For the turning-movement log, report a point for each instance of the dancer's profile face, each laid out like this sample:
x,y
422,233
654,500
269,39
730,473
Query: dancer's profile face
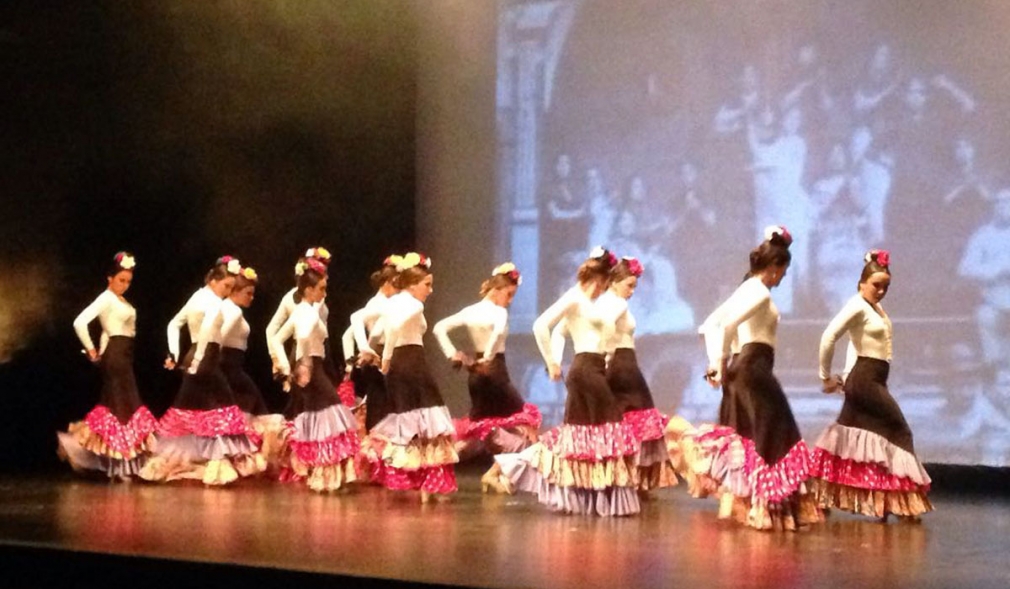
x,y
874,288
503,296
120,283
625,288
244,297
776,274
316,294
423,289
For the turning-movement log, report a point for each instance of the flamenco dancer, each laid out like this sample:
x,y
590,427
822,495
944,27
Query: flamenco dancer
x,y
364,366
234,342
114,437
287,304
204,435
626,381
865,462
321,438
759,460
499,420
589,463
412,446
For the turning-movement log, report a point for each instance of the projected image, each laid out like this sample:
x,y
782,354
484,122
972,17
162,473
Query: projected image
x,y
676,131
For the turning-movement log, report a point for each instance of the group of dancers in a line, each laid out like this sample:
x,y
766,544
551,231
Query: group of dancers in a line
x,y
381,419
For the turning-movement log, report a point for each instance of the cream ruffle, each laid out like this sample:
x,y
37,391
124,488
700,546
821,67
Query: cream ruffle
x,y
869,502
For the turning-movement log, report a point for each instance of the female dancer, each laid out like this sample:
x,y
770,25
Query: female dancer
x,y
234,342
287,304
761,460
412,446
204,435
114,436
322,438
498,415
865,462
627,383
365,374
587,464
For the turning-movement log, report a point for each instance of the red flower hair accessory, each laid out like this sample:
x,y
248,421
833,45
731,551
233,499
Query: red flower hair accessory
x,y
634,266
881,257
316,265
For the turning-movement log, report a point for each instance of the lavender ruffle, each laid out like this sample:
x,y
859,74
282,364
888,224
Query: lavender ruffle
x,y
317,426
112,467
194,448
426,423
612,501
859,445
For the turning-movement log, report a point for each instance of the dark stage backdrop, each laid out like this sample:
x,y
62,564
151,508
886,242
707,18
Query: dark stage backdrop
x,y
181,131
675,131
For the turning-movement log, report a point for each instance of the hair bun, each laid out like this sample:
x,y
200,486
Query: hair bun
x,y
604,255
778,235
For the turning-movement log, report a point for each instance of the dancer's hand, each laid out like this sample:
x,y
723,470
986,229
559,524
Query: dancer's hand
x,y
368,359
482,367
832,384
714,377
385,367
554,372
302,375
93,356
169,363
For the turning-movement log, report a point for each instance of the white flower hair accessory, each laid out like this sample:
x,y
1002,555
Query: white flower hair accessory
x,y
234,266
508,269
411,260
597,252
778,235
300,268
125,261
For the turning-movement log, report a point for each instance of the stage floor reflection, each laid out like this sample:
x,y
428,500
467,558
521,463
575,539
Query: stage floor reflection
x,y
501,541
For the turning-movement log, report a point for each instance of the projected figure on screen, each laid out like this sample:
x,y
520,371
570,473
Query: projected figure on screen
x,y
779,195
566,210
653,224
733,116
602,208
879,82
696,222
987,261
871,181
841,230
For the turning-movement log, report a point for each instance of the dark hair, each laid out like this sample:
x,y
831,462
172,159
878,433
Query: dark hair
x,y
218,272
383,275
769,253
875,265
117,264
593,269
242,281
497,281
410,276
308,279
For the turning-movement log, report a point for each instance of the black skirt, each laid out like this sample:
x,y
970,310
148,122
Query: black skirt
x,y
370,383
409,384
207,389
729,408
247,394
590,401
762,410
318,394
627,383
119,385
491,391
869,405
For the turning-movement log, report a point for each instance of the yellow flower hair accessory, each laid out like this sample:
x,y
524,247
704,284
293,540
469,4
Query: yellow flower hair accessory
x,y
249,274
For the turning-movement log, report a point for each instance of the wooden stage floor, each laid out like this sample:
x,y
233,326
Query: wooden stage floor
x,y
480,540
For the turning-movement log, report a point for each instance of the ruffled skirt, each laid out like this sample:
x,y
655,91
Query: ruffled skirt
x,y
498,417
205,436
116,435
760,466
865,462
321,441
589,464
412,446
634,398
